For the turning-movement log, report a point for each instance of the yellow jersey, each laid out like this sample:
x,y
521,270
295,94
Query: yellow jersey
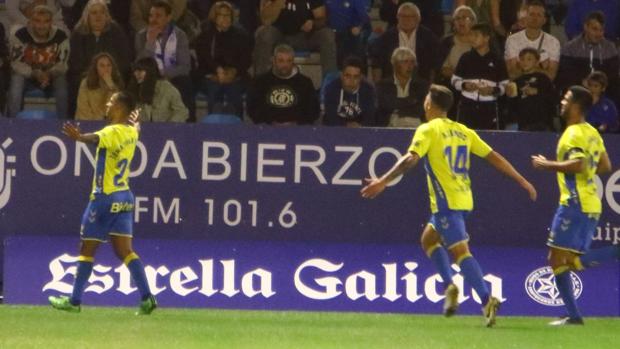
x,y
115,151
446,146
580,141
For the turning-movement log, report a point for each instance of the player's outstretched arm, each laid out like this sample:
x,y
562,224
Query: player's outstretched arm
x,y
503,166
572,166
604,164
134,118
376,186
73,131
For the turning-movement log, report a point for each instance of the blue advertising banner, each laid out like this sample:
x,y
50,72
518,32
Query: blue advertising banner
x,y
299,276
276,184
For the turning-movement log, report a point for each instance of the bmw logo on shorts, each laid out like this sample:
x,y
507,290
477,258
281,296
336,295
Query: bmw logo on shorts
x,y
540,286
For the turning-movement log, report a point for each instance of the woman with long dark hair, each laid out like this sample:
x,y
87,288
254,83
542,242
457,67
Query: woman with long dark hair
x,y
157,98
102,80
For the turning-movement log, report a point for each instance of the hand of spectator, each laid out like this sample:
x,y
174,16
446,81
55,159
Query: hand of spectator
x,y
447,71
353,124
486,90
356,31
603,128
470,86
226,75
152,33
43,78
107,78
529,90
307,27
511,90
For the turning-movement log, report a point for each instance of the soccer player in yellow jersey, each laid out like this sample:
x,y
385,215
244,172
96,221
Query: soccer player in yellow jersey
x,y
445,146
110,210
581,155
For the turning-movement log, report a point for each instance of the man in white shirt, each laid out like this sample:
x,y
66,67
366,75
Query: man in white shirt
x,y
532,36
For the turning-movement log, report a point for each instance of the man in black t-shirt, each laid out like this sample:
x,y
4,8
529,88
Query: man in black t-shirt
x,y
299,23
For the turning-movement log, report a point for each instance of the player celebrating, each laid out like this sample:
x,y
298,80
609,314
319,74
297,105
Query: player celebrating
x,y
447,146
581,155
110,210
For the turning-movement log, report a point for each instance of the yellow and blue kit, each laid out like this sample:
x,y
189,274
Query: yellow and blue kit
x,y
445,146
577,216
110,210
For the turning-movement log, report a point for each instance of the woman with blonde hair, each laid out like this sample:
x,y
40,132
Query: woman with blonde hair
x,y
102,80
94,33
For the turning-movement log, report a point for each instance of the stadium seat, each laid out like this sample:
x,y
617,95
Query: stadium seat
x,y
36,114
222,119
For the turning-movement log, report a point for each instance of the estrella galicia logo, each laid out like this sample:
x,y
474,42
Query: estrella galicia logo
x,y
540,286
6,173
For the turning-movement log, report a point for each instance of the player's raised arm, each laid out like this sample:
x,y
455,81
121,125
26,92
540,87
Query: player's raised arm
x,y
571,166
375,186
73,131
505,167
134,118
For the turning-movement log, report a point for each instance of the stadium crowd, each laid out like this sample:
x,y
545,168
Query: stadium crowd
x,y
498,57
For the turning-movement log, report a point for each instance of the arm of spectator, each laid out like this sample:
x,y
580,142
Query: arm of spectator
x,y
320,17
17,58
138,15
311,106
270,10
495,18
512,66
142,47
369,107
60,68
255,103
331,105
384,109
183,65
551,69
83,110
179,112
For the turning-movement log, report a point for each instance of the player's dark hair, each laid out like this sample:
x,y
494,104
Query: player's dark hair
x,y
128,102
530,51
483,29
598,16
582,97
163,4
353,61
441,97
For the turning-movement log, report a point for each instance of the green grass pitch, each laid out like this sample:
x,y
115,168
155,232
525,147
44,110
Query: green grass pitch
x,y
95,327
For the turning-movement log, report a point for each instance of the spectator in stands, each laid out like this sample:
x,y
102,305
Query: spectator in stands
x,y
119,11
168,44
430,11
603,114
39,54
400,97
350,101
407,33
588,52
453,46
5,69
94,33
19,12
140,12
533,99
157,98
102,80
283,96
481,77
487,12
301,24
533,36
245,10
223,59
351,24
578,11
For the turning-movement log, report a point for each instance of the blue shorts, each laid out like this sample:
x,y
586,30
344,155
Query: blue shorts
x,y
572,230
108,215
450,225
